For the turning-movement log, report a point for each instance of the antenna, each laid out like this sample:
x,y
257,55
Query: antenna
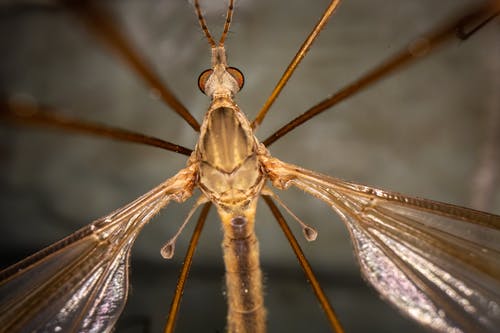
x,y
203,23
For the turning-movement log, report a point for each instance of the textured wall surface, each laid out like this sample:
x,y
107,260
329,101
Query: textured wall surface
x,y
423,131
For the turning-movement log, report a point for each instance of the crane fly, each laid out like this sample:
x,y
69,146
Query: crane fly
x,y
437,263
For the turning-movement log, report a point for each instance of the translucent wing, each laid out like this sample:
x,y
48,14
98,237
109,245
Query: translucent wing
x,y
80,283
438,263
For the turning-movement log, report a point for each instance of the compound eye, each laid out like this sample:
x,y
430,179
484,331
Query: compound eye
x,y
237,75
202,79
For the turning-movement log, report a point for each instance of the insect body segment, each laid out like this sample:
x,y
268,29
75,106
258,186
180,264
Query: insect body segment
x,y
246,312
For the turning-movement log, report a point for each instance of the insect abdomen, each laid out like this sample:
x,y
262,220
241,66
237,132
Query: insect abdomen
x,y
243,278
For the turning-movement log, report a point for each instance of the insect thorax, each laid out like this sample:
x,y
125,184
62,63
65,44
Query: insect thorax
x,y
229,168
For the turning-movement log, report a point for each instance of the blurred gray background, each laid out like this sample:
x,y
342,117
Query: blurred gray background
x,y
430,131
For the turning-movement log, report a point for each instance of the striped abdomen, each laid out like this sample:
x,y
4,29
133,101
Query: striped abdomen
x,y
246,312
